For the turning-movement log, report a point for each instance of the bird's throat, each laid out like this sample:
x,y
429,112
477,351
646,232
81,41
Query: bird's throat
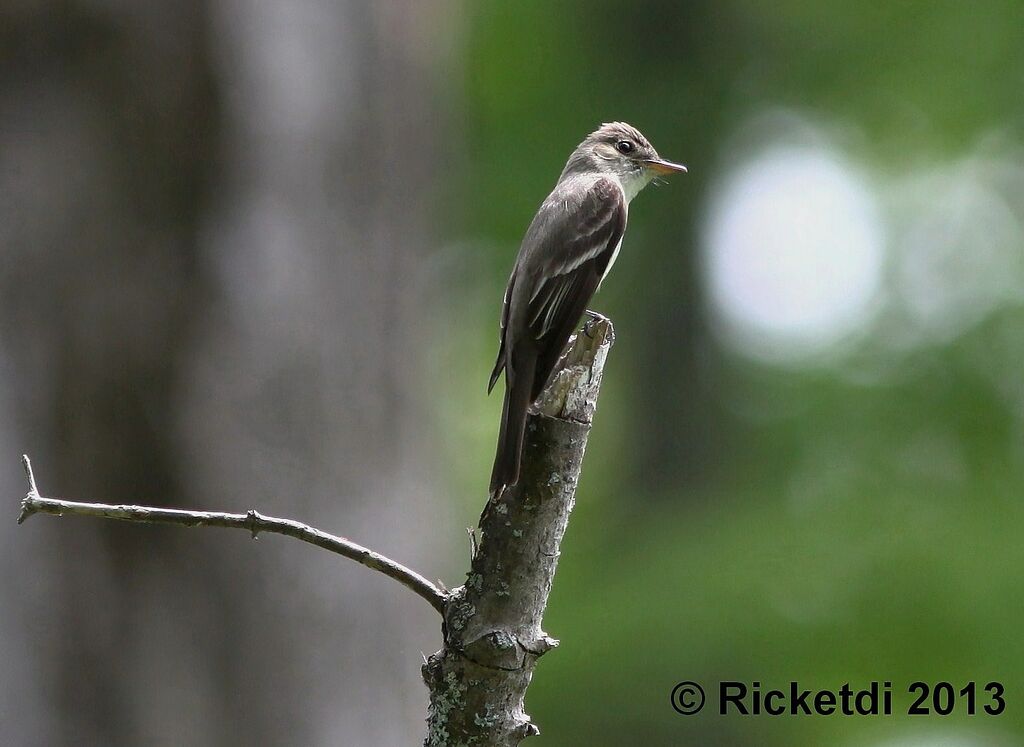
x,y
633,183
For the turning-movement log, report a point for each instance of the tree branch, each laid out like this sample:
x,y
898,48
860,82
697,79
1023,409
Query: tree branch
x,y
252,521
492,624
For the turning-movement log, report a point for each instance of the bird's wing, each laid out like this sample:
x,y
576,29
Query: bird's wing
x,y
576,242
569,243
499,364
565,254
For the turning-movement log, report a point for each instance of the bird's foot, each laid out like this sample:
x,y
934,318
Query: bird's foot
x,y
595,318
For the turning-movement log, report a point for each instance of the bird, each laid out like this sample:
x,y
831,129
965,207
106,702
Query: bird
x,y
568,250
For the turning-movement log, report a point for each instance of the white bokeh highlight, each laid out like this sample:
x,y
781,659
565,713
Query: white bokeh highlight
x,y
793,253
959,257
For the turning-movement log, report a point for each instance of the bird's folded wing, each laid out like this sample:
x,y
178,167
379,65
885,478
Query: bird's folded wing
x,y
576,241
579,240
569,245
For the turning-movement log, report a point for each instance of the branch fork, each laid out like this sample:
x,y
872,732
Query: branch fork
x,y
491,624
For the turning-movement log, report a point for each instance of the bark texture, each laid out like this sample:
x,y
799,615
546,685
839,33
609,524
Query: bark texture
x,y
492,624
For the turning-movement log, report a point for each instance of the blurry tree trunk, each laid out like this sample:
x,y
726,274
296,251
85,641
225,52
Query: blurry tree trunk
x,y
108,133
212,240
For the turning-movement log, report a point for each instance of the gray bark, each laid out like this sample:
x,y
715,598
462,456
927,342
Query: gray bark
x,y
492,624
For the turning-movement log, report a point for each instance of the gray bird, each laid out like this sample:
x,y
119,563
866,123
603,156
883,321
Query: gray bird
x,y
568,250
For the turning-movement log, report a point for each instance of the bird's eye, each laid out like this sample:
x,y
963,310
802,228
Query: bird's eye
x,y
624,146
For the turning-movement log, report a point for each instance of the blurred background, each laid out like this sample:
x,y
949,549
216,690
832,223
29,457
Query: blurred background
x,y
252,255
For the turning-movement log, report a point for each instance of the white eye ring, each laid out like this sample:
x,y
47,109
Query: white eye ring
x,y
624,146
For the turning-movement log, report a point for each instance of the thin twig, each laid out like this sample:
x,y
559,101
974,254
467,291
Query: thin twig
x,y
252,521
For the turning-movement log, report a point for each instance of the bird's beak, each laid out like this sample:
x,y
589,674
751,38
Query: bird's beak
x,y
662,166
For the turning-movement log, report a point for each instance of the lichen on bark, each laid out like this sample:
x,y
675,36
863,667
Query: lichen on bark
x,y
492,624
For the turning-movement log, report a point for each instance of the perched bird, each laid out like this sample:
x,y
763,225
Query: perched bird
x,y
568,250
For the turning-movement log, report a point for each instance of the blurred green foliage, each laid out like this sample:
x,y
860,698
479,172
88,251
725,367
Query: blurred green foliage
x,y
850,521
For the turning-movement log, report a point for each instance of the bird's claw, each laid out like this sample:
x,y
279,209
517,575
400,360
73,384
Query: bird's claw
x,y
595,318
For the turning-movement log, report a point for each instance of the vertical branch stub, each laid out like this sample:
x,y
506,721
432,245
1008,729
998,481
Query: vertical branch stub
x,y
492,628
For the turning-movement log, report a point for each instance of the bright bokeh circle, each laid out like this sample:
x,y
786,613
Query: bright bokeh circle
x,y
793,253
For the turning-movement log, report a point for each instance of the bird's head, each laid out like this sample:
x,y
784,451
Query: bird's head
x,y
620,150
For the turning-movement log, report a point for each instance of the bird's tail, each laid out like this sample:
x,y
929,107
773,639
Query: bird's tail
x,y
518,390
